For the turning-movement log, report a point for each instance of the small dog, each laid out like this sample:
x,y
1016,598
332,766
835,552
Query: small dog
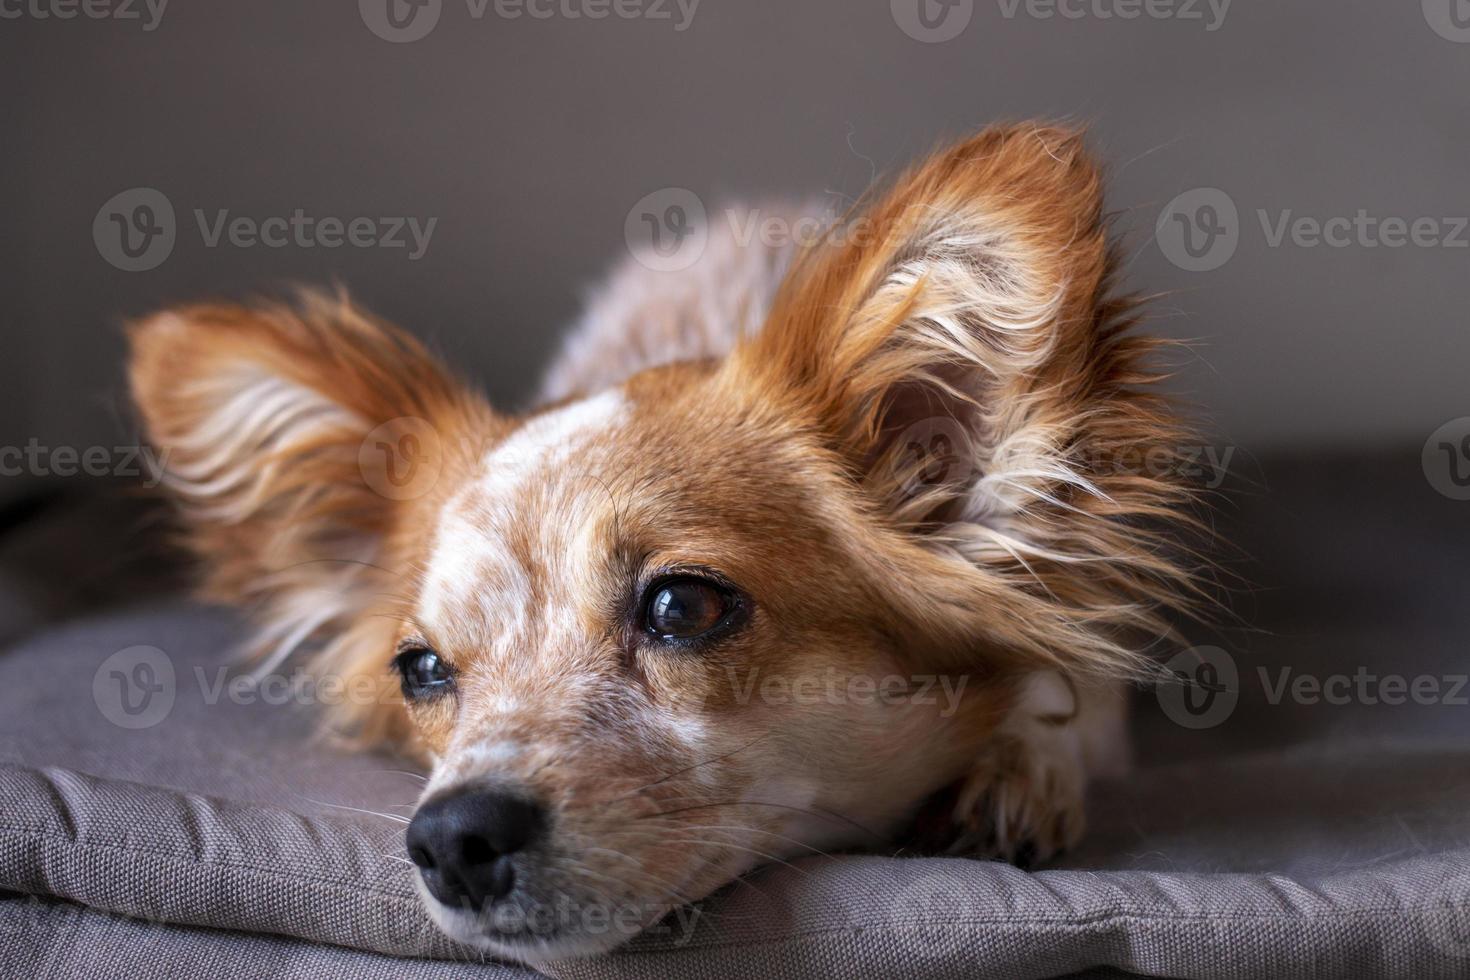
x,y
810,547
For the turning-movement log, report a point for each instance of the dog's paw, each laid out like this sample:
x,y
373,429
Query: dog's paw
x,y
1024,799
1025,802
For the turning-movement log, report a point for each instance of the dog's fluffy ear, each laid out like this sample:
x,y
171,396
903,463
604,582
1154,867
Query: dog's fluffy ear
x,y
955,344
297,442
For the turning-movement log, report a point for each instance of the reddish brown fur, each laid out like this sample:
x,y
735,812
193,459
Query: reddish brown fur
x,y
974,289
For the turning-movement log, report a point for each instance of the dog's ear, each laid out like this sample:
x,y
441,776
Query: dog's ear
x,y
955,344
297,442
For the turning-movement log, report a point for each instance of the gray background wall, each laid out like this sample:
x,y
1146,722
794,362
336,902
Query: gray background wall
x,y
530,139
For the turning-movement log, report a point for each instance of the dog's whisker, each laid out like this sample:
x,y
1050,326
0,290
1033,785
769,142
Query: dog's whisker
x,y
697,765
402,772
636,862
611,879
824,814
613,853
742,879
639,875
397,818
768,833
741,847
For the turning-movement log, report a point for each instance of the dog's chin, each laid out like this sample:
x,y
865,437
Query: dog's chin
x,y
510,932
529,946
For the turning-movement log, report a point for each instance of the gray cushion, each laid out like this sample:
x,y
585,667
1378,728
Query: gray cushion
x,y
1289,838
229,815
41,937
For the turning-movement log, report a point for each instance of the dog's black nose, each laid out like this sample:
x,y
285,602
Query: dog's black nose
x,y
462,843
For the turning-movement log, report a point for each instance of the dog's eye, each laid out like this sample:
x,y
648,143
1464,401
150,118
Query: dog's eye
x,y
424,673
686,608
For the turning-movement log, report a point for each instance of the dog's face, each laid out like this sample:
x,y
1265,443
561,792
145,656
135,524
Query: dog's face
x,y
723,612
667,672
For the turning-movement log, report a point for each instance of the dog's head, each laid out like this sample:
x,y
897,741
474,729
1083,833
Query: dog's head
x,y
721,613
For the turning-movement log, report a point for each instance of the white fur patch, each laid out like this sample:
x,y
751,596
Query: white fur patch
x,y
546,440
691,732
468,545
248,416
491,758
490,754
464,549
217,465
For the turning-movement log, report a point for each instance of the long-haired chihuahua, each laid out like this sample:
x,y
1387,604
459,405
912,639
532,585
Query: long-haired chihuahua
x,y
811,545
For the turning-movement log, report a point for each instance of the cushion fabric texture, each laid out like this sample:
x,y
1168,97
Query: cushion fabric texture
x,y
152,816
